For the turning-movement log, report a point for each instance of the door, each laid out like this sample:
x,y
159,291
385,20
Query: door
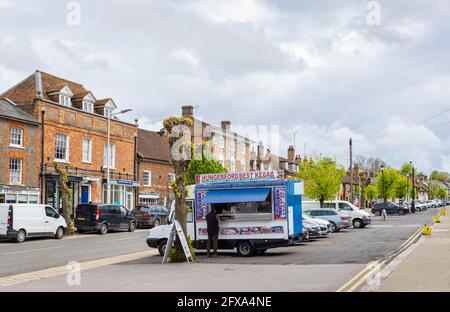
x,y
124,218
51,220
113,216
85,194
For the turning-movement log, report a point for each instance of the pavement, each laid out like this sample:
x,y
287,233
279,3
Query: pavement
x,y
425,266
122,261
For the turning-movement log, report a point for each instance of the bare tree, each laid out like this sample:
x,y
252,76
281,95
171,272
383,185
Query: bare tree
x,y
63,186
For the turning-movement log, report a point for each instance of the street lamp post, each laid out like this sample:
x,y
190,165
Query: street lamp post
x,y
413,194
407,187
384,191
108,155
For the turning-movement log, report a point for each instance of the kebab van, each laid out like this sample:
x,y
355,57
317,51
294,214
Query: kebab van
x,y
257,211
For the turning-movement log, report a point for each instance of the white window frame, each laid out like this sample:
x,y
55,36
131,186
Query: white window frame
x,y
20,135
67,147
88,106
65,99
87,154
108,111
15,178
112,164
149,182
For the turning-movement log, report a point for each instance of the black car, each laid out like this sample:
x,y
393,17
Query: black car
x,y
150,216
391,208
103,218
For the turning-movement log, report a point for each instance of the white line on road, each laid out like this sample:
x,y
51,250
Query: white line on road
x,y
116,240
31,250
382,226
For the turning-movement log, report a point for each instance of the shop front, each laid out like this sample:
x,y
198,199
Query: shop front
x,y
122,192
19,195
53,191
151,198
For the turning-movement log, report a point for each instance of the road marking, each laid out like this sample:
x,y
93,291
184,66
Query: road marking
x,y
382,225
371,269
57,271
411,225
31,250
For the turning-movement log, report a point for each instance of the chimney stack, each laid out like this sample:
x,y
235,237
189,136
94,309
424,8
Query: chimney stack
x,y
187,111
226,125
291,154
38,79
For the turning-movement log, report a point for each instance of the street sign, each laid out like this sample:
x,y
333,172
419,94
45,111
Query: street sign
x,y
174,231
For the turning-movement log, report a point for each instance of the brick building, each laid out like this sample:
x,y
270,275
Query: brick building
x,y
226,146
154,168
19,181
75,127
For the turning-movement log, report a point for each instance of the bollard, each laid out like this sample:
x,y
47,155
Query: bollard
x,y
436,219
426,230
443,211
385,215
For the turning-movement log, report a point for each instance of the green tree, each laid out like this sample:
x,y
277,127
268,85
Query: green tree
x,y
406,169
387,183
433,188
402,188
204,165
441,193
441,176
322,177
371,192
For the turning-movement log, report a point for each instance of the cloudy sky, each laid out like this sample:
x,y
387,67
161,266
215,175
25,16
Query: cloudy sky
x,y
326,70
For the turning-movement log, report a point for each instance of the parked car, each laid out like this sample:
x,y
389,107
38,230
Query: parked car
x,y
360,218
391,208
338,219
103,218
21,221
313,229
150,216
324,224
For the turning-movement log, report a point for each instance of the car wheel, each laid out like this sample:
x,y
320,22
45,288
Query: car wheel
x,y
307,236
358,224
156,223
103,229
401,212
21,236
132,227
245,249
59,233
333,227
378,213
162,247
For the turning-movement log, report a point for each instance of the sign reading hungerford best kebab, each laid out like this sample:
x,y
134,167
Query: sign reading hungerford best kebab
x,y
240,176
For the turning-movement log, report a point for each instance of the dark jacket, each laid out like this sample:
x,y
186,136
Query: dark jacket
x,y
212,221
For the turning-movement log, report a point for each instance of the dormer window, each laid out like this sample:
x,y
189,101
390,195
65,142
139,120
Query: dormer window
x,y
65,99
108,112
88,106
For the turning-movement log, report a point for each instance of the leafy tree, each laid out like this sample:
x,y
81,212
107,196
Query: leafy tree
x,y
403,187
204,165
323,178
406,169
371,192
387,183
441,193
440,176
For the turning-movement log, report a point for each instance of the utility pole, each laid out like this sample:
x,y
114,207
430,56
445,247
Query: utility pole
x,y
351,170
413,195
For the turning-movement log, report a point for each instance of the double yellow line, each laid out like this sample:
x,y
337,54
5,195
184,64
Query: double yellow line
x,y
367,272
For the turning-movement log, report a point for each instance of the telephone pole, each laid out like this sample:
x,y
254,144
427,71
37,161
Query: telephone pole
x,y
351,170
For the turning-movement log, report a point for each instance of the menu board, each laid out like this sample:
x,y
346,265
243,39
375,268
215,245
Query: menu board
x,y
201,206
279,197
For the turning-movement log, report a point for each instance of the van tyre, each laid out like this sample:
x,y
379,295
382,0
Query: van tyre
x,y
162,247
378,213
245,249
103,229
132,227
21,236
358,224
59,233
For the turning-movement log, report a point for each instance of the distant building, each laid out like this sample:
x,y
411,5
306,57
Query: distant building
x,y
155,169
19,181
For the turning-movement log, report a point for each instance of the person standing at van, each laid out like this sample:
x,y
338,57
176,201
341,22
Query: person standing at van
x,y
212,222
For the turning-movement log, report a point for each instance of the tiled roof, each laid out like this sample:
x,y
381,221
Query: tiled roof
x,y
25,91
10,111
151,146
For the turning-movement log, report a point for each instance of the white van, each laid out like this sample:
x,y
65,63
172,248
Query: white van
x,y
19,221
360,217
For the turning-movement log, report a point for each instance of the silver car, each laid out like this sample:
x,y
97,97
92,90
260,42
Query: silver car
x,y
338,219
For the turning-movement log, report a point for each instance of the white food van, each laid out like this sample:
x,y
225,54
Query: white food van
x,y
257,211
